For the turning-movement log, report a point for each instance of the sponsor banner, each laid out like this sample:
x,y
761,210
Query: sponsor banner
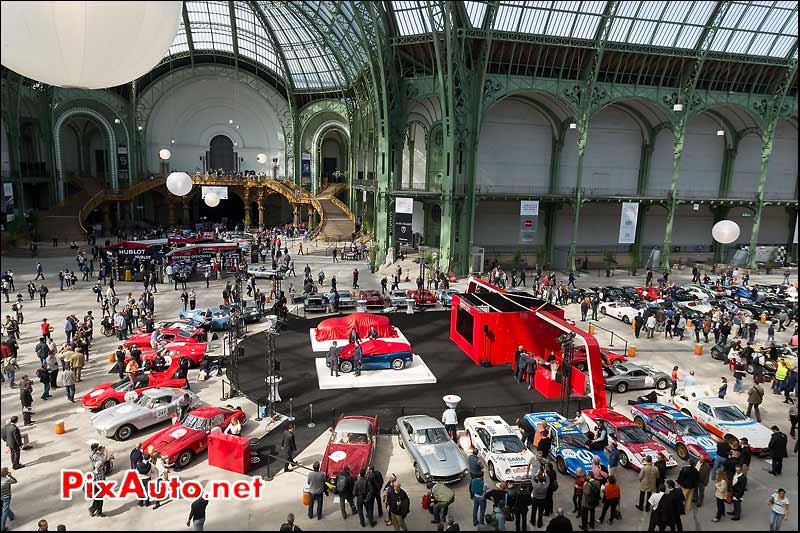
x,y
627,223
403,220
529,208
305,165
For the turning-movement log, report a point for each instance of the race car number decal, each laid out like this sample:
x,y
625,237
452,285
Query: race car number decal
x,y
705,442
178,433
649,381
337,456
162,412
582,455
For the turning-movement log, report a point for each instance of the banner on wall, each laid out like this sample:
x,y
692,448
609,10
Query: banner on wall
x,y
627,223
528,220
403,219
305,165
122,158
222,192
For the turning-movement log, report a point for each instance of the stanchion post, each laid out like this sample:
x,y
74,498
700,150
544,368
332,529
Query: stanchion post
x,y
311,423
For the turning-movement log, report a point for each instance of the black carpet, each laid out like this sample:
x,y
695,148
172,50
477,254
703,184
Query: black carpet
x,y
484,391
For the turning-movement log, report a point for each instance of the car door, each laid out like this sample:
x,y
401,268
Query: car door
x,y
703,414
164,408
661,426
482,441
611,431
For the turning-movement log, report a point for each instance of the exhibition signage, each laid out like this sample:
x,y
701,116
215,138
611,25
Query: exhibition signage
x,y
305,165
403,217
529,216
222,192
627,222
122,158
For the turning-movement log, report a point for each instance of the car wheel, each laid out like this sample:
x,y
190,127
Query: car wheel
x,y
346,366
418,474
662,384
398,364
682,452
732,441
581,366
492,473
561,466
188,362
621,386
183,459
109,403
625,319
623,460
124,432
603,311
640,422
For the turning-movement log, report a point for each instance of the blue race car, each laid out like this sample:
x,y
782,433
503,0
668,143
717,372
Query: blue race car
x,y
445,296
220,316
678,430
570,447
376,355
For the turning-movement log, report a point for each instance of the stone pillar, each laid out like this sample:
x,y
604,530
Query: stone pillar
x,y
261,209
295,214
310,218
248,219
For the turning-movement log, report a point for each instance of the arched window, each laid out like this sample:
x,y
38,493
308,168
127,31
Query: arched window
x,y
221,155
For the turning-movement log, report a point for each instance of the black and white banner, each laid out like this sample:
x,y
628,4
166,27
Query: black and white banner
x,y
528,223
627,222
403,218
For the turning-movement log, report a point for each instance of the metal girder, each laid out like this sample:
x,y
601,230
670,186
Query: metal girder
x,y
315,23
262,17
234,36
188,29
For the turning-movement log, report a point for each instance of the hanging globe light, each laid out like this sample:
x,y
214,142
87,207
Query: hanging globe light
x,y
261,158
725,231
212,199
91,45
179,183
164,154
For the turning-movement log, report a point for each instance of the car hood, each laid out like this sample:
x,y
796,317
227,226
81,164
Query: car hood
x,y
356,456
581,457
93,396
442,459
172,439
653,449
118,415
513,459
757,435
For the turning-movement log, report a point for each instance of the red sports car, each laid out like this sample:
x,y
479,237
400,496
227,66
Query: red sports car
x,y
373,297
195,352
609,358
179,443
110,394
423,297
352,443
175,331
649,293
633,442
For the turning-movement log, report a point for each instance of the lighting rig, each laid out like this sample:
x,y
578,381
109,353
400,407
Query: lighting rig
x,y
567,342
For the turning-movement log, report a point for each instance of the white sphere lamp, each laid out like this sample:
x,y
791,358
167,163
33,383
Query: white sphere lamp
x,y
179,183
164,154
212,199
261,158
725,231
91,45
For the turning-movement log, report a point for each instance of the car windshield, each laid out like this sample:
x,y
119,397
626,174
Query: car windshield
x,y
122,385
572,440
507,444
730,413
195,422
344,437
431,436
632,435
146,401
687,426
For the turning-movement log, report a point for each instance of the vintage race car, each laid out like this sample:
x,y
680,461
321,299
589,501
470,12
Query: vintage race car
x,y
373,297
174,330
179,443
676,429
219,316
108,395
346,300
633,442
352,443
500,447
649,293
250,313
702,293
152,407
445,296
609,358
436,457
722,418
698,307
626,376
315,302
265,272
397,298
195,352
377,355
422,298
620,310
570,447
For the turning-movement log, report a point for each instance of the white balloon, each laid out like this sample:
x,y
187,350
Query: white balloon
x,y
164,154
179,183
212,199
87,44
261,158
725,231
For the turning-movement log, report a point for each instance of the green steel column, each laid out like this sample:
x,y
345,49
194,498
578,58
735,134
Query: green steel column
x,y
636,249
766,151
583,126
726,176
410,165
555,163
549,235
720,213
130,124
677,151
790,244
645,157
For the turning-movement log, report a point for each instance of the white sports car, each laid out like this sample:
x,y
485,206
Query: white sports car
x,y
700,306
722,418
701,293
619,310
500,447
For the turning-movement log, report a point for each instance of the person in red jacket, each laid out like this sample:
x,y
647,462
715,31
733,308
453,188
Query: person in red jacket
x,y
46,328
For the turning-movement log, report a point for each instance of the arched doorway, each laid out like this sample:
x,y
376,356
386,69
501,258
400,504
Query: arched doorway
x,y
230,211
221,154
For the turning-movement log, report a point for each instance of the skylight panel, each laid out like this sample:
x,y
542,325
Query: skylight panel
x,y
476,11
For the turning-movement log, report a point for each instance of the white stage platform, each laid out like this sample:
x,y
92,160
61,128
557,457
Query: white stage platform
x,y
415,374
324,346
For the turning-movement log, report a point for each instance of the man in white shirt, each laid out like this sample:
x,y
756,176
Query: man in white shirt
x,y
450,421
651,326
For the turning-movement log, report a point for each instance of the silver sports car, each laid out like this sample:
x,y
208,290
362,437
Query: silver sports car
x,y
152,407
626,376
436,457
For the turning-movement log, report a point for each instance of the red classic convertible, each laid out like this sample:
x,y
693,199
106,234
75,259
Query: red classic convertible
x,y
352,443
649,293
423,297
174,331
179,443
373,297
110,394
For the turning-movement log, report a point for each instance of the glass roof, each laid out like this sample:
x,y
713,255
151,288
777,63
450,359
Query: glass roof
x,y
753,28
